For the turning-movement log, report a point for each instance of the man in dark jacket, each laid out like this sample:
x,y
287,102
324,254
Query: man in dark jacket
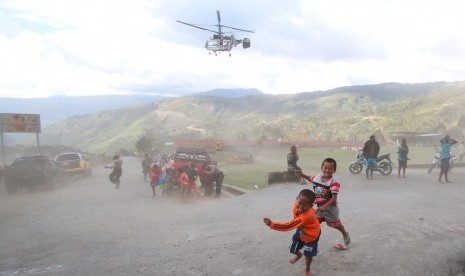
x,y
212,174
370,151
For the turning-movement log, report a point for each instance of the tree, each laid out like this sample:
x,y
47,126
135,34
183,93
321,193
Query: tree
x,y
146,142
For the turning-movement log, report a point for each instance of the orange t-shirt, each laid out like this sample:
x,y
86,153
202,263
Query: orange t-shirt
x,y
306,222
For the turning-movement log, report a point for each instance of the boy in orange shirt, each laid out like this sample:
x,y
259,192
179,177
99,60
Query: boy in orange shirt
x,y
308,229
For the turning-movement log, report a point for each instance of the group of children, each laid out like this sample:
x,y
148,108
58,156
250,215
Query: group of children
x,y
158,176
307,220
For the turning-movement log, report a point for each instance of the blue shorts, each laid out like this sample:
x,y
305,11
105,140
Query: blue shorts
x,y
310,249
445,163
370,162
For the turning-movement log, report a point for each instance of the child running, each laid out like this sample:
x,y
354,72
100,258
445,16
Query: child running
x,y
308,229
187,178
184,182
154,172
326,189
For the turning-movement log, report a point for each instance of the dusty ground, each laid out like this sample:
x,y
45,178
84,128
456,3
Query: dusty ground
x,y
412,226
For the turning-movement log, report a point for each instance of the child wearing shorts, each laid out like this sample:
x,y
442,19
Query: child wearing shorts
x,y
326,189
308,229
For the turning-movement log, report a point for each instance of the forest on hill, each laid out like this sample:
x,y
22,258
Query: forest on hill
x,y
341,114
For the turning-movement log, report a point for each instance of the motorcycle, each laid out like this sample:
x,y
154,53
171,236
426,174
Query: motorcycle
x,y
383,164
436,160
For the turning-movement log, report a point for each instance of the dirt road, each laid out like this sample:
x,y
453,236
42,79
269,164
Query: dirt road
x,y
412,226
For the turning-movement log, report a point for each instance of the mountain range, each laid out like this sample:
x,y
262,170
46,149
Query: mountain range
x,y
344,113
56,108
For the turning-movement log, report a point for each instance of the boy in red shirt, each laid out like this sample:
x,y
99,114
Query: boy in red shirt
x,y
308,229
154,172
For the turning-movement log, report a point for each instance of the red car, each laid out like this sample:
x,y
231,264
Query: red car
x,y
181,158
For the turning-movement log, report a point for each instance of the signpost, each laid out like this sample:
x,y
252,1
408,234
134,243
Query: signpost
x,y
19,123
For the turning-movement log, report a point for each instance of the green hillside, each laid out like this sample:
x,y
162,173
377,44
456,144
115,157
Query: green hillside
x,y
348,113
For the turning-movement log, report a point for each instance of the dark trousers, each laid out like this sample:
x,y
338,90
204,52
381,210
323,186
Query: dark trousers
x,y
445,163
219,183
115,176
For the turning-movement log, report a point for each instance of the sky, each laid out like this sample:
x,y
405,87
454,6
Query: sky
x,y
97,47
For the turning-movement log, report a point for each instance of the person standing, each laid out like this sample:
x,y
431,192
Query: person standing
x,y
370,151
212,174
446,145
292,158
402,152
146,164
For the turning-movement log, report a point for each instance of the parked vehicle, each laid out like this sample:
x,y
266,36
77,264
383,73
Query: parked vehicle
x,y
74,163
383,164
180,159
31,171
436,160
163,158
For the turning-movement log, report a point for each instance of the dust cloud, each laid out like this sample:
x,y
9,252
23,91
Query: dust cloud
x,y
411,226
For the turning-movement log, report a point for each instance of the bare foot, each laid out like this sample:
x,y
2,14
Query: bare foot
x,y
308,273
340,246
296,258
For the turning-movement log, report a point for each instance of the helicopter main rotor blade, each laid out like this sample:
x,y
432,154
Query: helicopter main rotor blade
x,y
197,27
237,29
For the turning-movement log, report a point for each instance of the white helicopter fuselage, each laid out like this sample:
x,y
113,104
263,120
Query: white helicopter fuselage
x,y
220,43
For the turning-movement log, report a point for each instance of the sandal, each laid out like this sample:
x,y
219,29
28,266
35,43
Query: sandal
x,y
347,240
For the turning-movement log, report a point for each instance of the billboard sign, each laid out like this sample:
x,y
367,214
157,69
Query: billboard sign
x,y
19,123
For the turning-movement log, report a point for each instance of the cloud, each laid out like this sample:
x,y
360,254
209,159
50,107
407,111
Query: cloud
x,y
50,47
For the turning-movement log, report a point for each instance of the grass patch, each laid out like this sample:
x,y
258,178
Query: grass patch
x,y
266,160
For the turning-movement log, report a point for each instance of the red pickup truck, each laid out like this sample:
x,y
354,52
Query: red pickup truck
x,y
181,158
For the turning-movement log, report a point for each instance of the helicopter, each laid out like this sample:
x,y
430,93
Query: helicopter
x,y
219,42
